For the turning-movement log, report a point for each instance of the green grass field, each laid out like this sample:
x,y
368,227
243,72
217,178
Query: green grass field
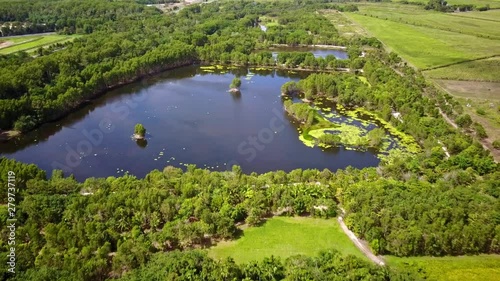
x,y
427,47
491,15
30,43
284,237
478,3
479,70
417,15
464,268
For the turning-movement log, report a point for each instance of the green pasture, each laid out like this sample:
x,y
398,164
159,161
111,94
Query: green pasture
x,y
427,47
462,268
29,43
479,70
477,3
284,237
417,15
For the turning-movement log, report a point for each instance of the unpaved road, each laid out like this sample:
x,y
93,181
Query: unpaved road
x,y
368,253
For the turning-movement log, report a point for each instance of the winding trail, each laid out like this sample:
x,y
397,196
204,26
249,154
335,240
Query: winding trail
x,y
368,253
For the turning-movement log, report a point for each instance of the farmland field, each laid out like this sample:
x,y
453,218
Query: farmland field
x,y
284,237
491,15
479,70
477,3
478,268
30,43
426,47
416,15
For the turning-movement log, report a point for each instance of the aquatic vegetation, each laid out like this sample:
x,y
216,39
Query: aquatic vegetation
x,y
355,130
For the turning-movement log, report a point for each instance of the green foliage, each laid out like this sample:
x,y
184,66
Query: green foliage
x,y
306,236
236,83
289,88
139,130
496,144
196,265
464,121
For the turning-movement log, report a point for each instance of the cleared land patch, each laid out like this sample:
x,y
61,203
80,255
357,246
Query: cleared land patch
x,y
29,43
427,47
478,268
284,237
345,27
479,70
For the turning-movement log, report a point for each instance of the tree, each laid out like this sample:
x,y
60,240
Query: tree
x,y
496,144
139,131
236,83
464,121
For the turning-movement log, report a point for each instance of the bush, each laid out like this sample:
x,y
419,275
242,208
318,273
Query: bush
x,y
236,83
496,144
25,123
140,130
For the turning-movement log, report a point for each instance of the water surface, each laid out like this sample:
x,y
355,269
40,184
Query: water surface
x,y
190,119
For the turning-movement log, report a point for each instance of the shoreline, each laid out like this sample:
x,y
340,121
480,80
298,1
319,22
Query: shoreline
x,y
322,46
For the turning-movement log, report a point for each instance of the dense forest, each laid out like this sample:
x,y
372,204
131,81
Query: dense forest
x,y
425,203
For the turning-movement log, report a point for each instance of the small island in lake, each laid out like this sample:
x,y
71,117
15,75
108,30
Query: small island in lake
x,y
234,87
139,132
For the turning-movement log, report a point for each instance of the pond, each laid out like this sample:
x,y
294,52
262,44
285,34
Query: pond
x,y
190,118
316,51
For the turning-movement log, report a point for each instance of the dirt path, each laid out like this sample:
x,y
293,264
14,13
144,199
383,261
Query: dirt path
x,y
368,253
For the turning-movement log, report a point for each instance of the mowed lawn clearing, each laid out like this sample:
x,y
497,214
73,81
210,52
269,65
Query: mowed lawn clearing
x,y
284,237
427,47
28,43
462,268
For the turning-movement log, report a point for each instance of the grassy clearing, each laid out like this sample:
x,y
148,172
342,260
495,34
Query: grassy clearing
x,y
284,237
477,268
427,47
346,27
30,43
480,70
470,89
417,15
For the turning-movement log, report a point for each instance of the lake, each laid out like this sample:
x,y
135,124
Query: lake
x,y
190,119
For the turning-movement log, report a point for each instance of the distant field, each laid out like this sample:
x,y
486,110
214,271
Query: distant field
x,y
284,237
464,268
427,47
345,26
29,43
491,15
478,3
480,70
416,15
